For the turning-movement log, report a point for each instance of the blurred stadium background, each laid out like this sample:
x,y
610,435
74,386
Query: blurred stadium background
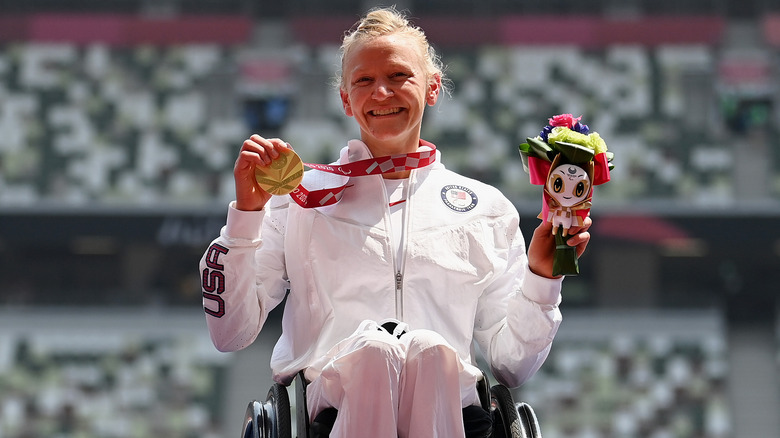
x,y
119,125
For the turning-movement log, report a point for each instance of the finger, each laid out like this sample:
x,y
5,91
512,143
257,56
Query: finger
x,y
580,242
260,150
251,154
277,144
586,223
578,239
249,160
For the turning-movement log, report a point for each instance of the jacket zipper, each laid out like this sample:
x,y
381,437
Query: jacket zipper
x,y
401,253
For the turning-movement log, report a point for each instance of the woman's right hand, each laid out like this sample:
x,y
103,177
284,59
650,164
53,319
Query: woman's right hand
x,y
256,151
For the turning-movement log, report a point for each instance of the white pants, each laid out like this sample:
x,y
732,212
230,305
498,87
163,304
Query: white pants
x,y
386,387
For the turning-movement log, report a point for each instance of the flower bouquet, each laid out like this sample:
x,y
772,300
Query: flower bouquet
x,y
568,160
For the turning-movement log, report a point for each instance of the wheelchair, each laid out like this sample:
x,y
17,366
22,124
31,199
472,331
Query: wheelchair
x,y
273,418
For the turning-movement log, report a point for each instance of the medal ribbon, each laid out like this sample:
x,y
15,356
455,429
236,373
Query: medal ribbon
x,y
371,166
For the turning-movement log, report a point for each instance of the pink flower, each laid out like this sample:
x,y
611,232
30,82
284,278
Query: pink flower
x,y
565,120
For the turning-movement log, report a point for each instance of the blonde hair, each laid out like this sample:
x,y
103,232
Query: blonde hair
x,y
389,21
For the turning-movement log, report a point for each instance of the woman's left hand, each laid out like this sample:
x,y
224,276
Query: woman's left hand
x,y
541,251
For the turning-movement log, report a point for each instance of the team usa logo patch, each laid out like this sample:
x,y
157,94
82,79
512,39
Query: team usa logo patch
x,y
459,198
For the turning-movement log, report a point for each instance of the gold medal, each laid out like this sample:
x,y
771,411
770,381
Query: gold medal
x,y
283,175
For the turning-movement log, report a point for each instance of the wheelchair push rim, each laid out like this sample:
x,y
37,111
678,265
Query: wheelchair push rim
x,y
507,421
269,419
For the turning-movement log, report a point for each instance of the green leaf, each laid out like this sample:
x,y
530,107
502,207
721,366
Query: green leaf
x,y
524,156
524,147
575,153
540,149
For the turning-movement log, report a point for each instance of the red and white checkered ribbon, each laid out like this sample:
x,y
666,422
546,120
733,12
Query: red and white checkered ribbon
x,y
370,166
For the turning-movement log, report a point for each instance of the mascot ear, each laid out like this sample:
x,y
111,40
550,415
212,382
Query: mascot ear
x,y
589,168
556,161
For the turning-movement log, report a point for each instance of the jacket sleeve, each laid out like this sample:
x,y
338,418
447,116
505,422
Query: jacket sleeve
x,y
243,277
518,315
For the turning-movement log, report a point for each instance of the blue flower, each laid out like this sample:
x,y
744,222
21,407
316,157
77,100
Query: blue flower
x,y
547,129
581,128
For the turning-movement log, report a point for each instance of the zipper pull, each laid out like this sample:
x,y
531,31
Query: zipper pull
x,y
399,296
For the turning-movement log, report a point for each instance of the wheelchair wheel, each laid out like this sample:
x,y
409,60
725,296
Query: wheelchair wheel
x,y
301,406
529,420
270,419
506,420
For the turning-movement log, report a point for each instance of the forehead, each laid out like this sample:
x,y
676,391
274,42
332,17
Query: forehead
x,y
390,49
570,170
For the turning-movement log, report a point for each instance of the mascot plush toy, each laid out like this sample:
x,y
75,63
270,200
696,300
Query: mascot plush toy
x,y
568,160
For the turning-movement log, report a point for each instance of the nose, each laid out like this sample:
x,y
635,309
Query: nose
x,y
382,91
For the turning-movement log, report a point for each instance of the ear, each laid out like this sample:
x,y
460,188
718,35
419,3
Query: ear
x,y
345,102
434,88
589,169
556,161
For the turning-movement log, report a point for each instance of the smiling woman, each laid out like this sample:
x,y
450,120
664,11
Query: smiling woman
x,y
386,87
391,283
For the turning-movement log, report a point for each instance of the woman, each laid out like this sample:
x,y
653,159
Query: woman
x,y
391,285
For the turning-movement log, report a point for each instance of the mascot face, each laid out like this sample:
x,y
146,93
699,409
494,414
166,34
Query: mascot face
x,y
568,184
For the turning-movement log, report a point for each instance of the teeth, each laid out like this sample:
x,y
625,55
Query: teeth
x,y
384,112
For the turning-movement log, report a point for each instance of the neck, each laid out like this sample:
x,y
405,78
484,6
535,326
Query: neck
x,y
386,149
394,146
397,175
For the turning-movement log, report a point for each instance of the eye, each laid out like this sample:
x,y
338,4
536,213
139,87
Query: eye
x,y
362,80
557,184
580,189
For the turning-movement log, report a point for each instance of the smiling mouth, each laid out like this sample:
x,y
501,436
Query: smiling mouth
x,y
385,111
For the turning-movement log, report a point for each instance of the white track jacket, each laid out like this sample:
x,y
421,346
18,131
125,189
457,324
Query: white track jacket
x,y
464,272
